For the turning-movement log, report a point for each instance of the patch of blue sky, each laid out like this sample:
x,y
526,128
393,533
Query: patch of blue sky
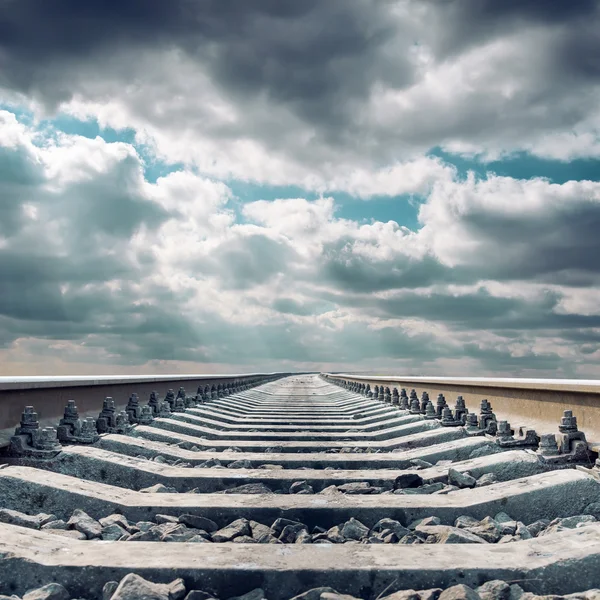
x,y
90,128
153,168
402,209
525,166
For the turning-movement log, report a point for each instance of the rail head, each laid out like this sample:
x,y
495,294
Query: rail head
x,y
64,381
584,386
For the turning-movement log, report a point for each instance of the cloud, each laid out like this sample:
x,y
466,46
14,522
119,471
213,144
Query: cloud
x,y
265,92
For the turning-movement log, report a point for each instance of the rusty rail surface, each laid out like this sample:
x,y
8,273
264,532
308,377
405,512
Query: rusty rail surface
x,y
49,395
538,403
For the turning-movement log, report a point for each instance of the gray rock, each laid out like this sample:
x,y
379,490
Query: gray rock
x,y
403,595
486,479
303,537
465,521
244,539
516,592
330,490
334,534
459,592
51,591
183,534
447,490
354,529
446,534
408,480
593,509
145,525
159,488
593,594
170,528
425,522
392,525
507,527
58,524
256,594
567,523
119,520
494,590
502,517
431,594
268,538
337,596
374,539
240,464
270,466
279,525
301,487
461,480
258,529
165,519
249,488
575,521
15,517
485,450
113,532
538,526
198,539
176,589
109,589
199,595
207,464
198,522
152,535
387,536
422,464
522,533
428,488
289,533
358,487
134,587
231,531
489,530
44,518
82,522
314,594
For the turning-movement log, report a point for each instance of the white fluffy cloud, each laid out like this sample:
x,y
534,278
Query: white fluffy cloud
x,y
351,108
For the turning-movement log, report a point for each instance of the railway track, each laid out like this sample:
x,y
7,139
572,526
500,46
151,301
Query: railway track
x,y
303,486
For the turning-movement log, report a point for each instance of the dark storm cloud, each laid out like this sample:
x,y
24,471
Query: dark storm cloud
x,y
310,69
19,177
556,244
472,21
340,267
314,56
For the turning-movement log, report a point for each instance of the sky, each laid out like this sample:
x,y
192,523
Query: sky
x,y
390,186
